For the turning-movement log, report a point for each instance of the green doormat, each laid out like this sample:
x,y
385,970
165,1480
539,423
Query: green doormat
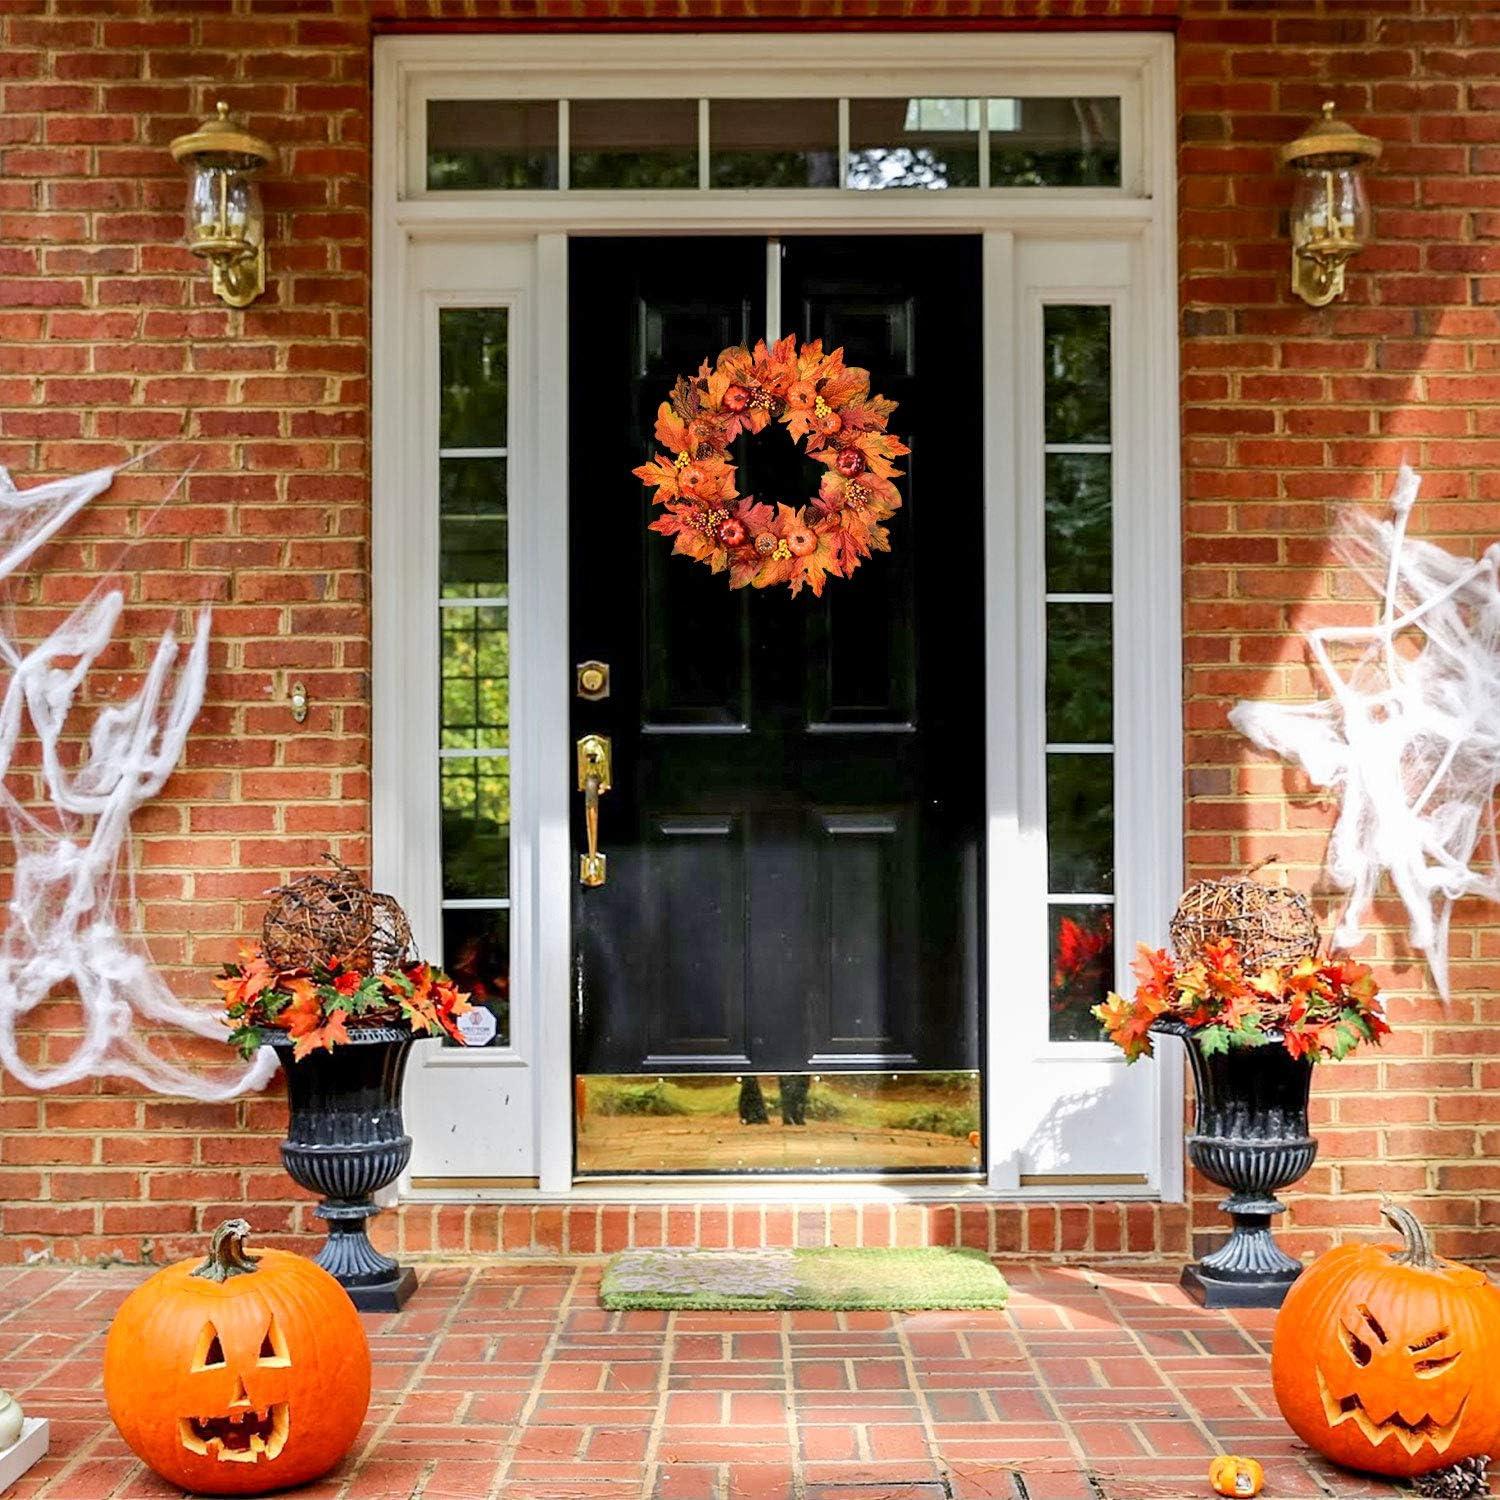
x,y
894,1280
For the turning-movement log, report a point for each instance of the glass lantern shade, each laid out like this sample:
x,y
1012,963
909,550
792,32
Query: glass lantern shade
x,y
1330,209
224,216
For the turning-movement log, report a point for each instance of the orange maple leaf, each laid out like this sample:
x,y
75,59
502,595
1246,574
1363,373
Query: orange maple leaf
x,y
331,1032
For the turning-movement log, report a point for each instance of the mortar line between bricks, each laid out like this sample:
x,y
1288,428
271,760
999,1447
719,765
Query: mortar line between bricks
x,y
659,1416
929,1422
534,1395
789,1386
419,1370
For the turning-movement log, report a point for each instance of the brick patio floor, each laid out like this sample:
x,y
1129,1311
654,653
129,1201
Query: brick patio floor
x,y
504,1378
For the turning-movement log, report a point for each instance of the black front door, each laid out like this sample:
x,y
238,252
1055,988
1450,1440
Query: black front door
x,y
795,827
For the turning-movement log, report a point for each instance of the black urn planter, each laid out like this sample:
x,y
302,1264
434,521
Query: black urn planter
x,y
345,1141
1251,1136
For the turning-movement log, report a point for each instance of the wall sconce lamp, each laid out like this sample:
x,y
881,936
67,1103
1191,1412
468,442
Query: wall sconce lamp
x,y
225,223
1330,212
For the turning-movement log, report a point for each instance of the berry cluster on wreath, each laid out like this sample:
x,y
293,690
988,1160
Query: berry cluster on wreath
x,y
824,404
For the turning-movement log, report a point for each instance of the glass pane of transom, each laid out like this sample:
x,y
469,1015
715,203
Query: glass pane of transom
x,y
1080,823
773,143
1079,495
913,143
1054,142
1082,947
633,143
473,360
491,143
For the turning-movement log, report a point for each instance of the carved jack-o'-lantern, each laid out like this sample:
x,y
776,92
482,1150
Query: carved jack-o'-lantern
x,y
1390,1361
239,1375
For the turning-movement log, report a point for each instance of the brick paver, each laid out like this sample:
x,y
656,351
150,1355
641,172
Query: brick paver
x,y
505,1380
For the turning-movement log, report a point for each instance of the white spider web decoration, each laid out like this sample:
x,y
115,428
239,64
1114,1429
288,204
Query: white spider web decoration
x,y
72,872
1410,735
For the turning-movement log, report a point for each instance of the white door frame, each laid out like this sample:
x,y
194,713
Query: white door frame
x,y
1101,244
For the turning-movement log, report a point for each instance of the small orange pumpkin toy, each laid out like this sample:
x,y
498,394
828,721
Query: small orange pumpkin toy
x,y
240,1375
1389,1361
1231,1475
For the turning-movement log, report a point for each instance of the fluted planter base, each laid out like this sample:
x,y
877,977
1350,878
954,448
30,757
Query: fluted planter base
x,y
1251,1136
345,1140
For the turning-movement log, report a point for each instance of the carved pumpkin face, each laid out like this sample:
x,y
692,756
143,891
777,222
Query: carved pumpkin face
x,y
1386,1361
239,1376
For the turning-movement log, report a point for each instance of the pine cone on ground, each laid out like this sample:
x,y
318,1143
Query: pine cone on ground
x,y
1457,1481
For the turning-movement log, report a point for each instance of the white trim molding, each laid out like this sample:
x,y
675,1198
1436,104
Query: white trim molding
x,y
507,1113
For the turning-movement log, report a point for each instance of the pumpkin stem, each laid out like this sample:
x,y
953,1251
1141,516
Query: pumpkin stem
x,y
227,1255
1416,1249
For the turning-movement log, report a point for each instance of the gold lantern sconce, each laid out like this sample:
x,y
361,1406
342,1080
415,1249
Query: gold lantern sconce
x,y
1330,219
225,222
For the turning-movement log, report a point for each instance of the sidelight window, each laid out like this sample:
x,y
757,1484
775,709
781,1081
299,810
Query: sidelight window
x,y
474,646
1080,780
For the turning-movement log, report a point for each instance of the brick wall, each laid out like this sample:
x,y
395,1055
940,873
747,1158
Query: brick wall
x,y
110,343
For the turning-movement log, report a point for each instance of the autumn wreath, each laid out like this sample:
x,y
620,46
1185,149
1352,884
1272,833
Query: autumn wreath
x,y
824,404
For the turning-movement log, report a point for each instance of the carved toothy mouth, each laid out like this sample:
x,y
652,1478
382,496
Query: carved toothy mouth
x,y
1411,1435
242,1437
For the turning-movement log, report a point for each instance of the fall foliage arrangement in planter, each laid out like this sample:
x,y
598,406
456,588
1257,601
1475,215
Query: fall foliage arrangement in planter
x,y
333,987
333,954
823,404
1256,1007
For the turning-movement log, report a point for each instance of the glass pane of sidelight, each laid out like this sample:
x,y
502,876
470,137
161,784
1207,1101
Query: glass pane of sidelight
x,y
1079,496
1054,142
1080,823
913,143
476,827
473,359
491,143
792,1122
1076,372
476,677
472,487
633,143
1079,673
780,143
1082,945
471,561
476,955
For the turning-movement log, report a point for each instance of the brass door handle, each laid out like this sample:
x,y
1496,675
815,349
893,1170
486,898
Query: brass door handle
x,y
593,782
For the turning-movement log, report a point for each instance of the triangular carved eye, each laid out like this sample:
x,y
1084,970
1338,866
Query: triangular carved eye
x,y
210,1353
273,1347
1359,1351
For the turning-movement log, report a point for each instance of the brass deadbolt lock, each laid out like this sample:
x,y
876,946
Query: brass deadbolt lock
x,y
593,680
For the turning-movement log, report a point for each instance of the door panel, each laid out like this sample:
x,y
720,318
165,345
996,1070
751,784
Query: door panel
x,y
795,824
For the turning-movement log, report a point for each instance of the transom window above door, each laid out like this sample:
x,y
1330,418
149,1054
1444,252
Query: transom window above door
x,y
860,144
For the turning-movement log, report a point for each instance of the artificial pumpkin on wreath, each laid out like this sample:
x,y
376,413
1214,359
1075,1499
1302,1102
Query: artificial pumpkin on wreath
x,y
1389,1361
240,1375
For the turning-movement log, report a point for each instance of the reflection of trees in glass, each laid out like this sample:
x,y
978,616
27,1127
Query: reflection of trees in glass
x,y
1079,673
1083,969
476,677
1076,373
491,167
1080,823
634,169
774,169
876,167
473,364
1023,166
1079,498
